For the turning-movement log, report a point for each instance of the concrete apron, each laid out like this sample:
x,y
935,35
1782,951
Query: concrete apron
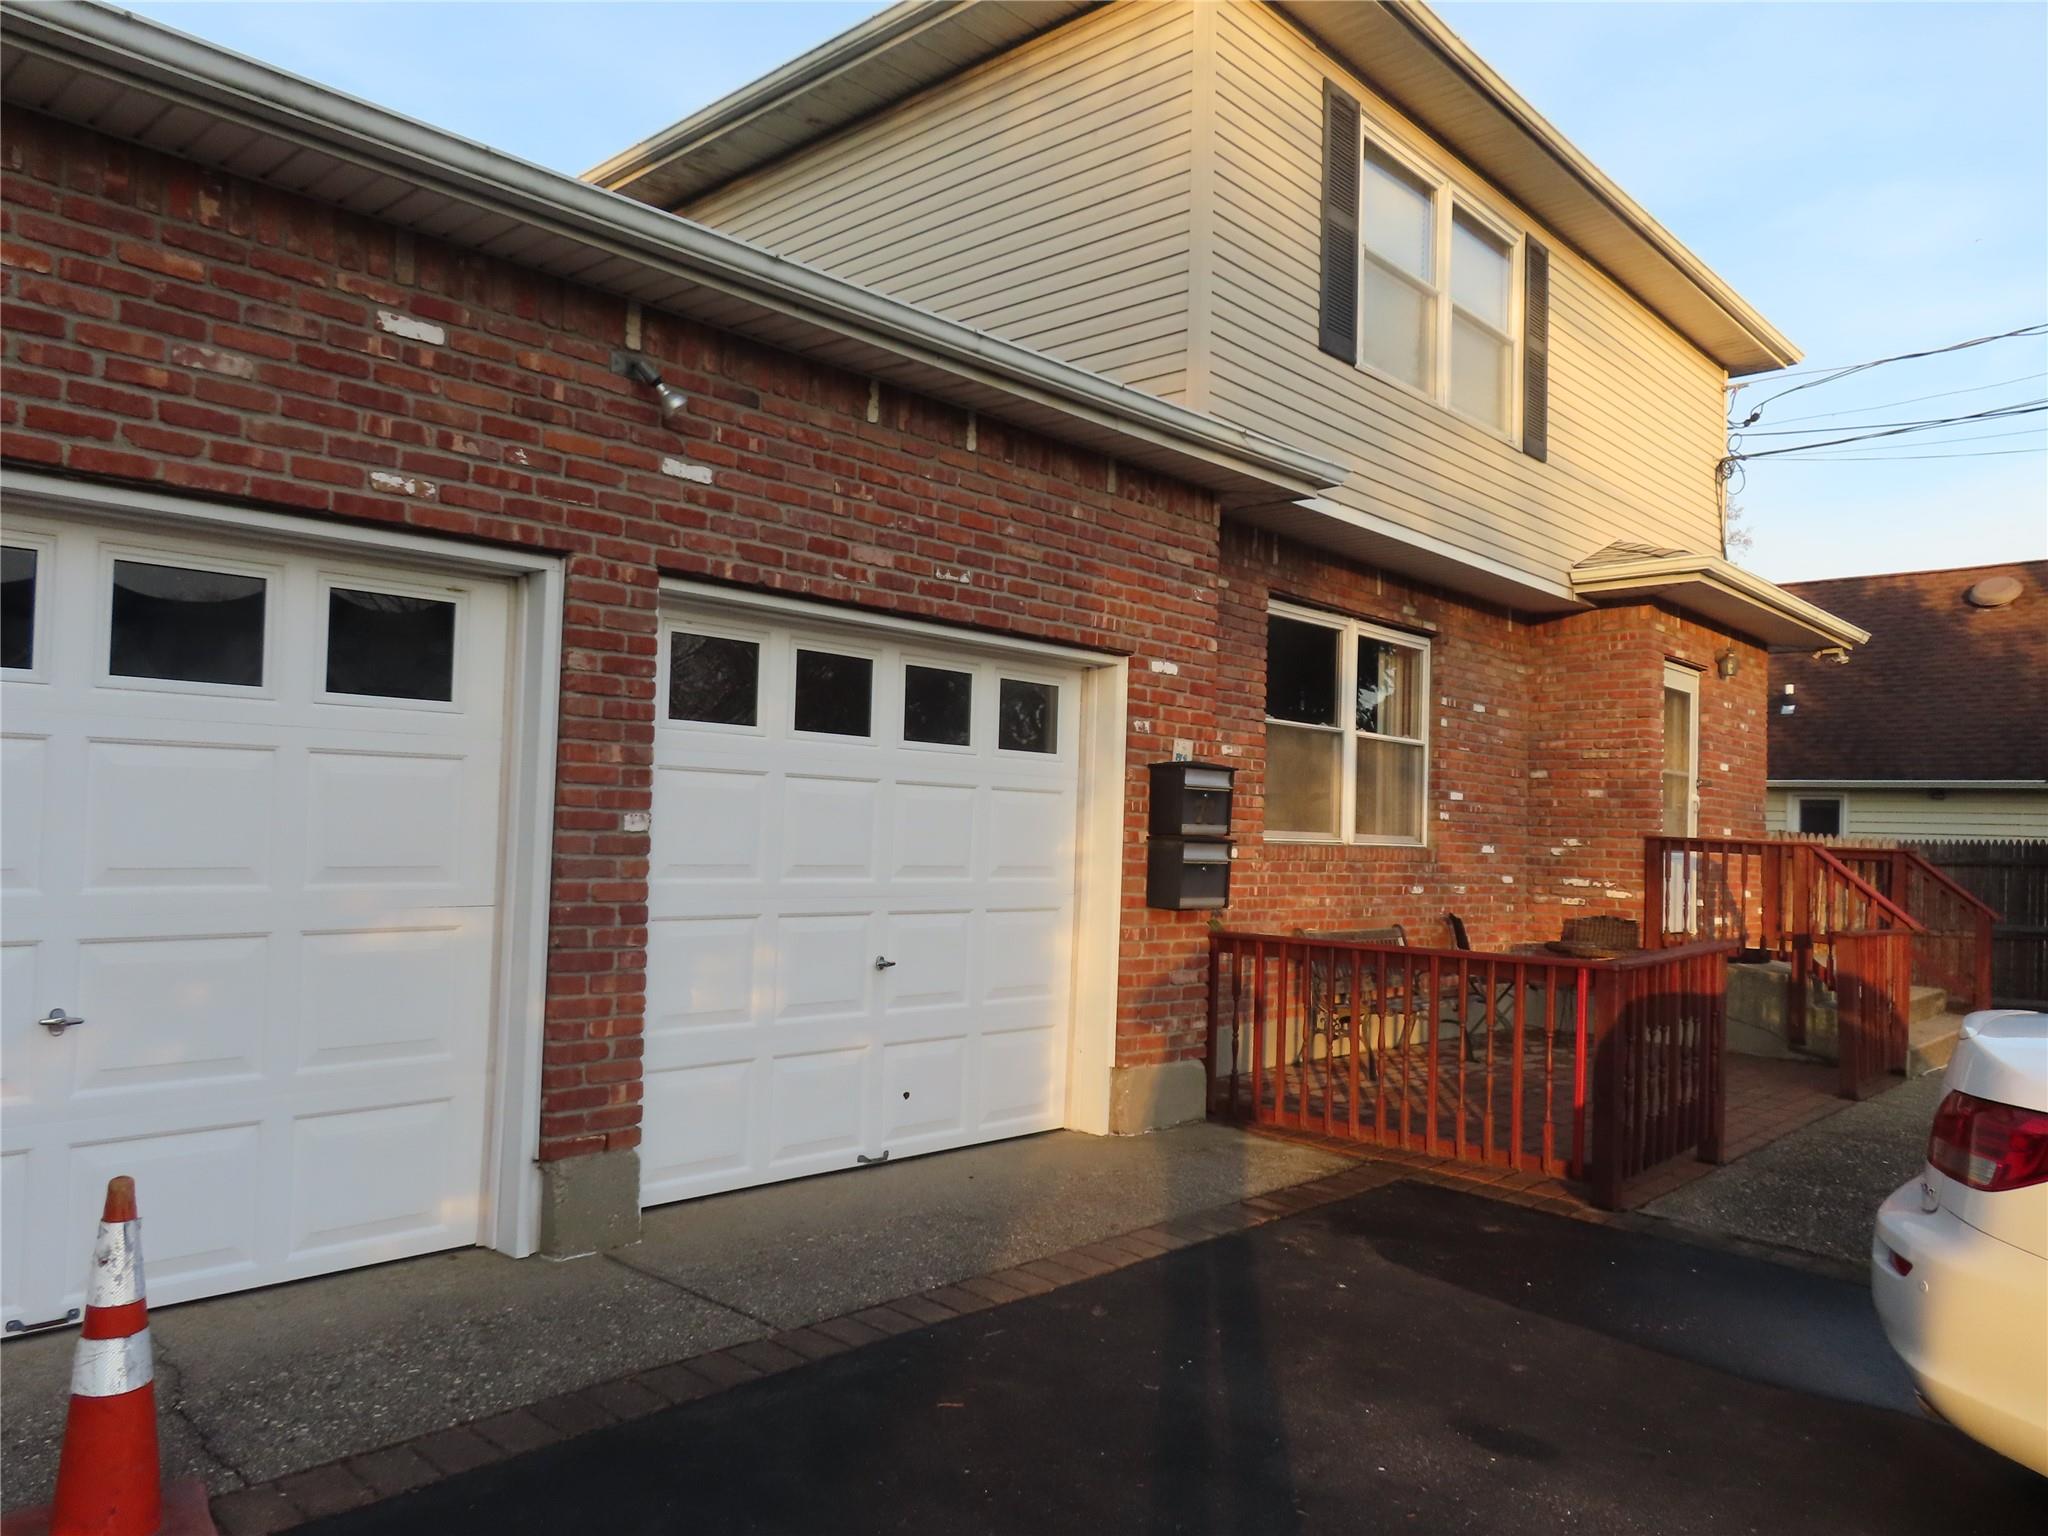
x,y
258,1385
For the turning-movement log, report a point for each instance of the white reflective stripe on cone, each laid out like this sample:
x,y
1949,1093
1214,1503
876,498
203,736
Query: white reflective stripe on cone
x,y
109,1367
116,1265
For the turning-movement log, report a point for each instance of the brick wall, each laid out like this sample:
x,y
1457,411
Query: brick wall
x,y
172,327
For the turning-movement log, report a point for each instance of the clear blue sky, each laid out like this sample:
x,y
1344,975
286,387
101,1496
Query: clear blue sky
x,y
1874,177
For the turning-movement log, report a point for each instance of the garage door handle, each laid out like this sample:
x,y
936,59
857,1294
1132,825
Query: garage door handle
x,y
56,1021
883,963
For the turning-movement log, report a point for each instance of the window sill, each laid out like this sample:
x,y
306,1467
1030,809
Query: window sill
x,y
1484,428
1325,840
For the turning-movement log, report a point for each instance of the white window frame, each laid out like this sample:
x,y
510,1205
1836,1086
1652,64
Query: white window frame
x,y
1446,200
1349,632
1841,814
1684,680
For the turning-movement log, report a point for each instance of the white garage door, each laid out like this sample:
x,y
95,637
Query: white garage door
x,y
250,843
861,901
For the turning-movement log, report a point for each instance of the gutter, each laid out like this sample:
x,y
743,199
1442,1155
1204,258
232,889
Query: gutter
x,y
125,48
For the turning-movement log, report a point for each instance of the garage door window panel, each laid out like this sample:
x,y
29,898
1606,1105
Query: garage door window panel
x,y
21,572
1027,716
191,624
938,706
393,645
714,679
835,694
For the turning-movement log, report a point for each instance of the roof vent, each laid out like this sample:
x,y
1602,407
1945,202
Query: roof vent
x,y
1993,592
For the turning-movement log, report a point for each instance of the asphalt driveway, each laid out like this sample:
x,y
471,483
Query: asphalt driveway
x,y
1413,1359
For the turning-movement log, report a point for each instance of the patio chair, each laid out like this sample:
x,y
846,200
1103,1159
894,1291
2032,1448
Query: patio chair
x,y
1490,999
1330,1002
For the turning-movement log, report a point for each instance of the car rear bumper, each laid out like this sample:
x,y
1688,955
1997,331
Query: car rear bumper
x,y
1970,1320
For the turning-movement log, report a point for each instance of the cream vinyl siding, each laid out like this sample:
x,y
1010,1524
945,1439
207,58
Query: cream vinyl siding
x,y
1138,192
1912,814
1045,196
1635,412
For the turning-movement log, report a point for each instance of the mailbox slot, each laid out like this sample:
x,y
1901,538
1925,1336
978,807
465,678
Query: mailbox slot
x,y
1183,875
1191,800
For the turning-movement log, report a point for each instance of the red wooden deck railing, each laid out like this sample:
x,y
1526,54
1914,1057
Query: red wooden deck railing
x,y
1588,1069
1810,902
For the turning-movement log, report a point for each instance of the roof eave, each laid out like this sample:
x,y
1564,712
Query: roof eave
x,y
1724,592
804,307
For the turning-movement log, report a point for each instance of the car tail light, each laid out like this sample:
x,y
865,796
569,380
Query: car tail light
x,y
1988,1145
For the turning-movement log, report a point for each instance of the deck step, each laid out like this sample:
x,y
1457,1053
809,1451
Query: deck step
x,y
1928,1003
1931,1041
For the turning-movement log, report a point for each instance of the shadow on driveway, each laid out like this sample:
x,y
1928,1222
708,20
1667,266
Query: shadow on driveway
x,y
1413,1359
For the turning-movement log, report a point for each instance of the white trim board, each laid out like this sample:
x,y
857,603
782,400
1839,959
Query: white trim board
x,y
512,1186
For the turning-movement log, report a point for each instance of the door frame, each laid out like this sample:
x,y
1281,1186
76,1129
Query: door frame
x,y
1679,678
1098,853
511,1170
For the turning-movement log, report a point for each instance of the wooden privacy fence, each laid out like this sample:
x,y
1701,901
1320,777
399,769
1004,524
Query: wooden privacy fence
x,y
2011,877
1813,903
1587,1069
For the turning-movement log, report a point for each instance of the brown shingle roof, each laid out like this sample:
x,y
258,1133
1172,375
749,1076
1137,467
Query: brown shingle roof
x,y
1943,691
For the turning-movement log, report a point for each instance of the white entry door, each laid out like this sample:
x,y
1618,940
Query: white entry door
x,y
251,848
861,900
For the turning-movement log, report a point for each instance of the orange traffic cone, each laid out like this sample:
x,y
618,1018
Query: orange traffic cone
x,y
108,1480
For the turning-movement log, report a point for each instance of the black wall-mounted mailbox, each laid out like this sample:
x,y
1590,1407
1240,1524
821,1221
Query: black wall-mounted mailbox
x,y
1187,861
1190,800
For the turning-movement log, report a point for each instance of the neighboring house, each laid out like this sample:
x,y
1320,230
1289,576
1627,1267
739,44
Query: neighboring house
x,y
466,800
1937,729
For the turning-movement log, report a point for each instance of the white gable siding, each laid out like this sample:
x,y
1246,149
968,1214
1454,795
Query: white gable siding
x,y
1914,815
1044,196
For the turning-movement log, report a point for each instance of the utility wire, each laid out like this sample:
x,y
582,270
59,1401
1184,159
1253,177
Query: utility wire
x,y
2016,407
1770,453
1829,375
1885,405
1855,458
1930,442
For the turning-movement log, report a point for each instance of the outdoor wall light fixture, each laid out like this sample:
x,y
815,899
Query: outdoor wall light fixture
x,y
673,401
1727,664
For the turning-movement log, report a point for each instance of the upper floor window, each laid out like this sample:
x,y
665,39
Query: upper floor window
x,y
1436,299
1347,729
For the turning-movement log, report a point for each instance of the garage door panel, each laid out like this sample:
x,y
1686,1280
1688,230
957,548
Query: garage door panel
x,y
204,1204
383,1180
385,819
830,828
715,823
1017,1074
1024,955
1031,833
924,1090
15,1279
165,1014
395,998
817,1108
220,836
276,913
932,831
932,951
698,1126
824,962
703,972
24,763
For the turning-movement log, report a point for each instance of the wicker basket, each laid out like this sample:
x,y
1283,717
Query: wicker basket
x,y
1599,938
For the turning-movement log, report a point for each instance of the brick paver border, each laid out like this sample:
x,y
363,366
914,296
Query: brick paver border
x,y
361,1479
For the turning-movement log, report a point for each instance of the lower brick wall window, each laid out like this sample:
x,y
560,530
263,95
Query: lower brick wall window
x,y
1347,730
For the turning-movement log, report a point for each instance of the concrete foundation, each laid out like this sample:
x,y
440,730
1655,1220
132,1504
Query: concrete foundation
x,y
589,1204
1759,999
1150,1098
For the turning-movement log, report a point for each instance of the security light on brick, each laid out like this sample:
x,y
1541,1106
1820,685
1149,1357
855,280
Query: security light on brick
x,y
673,401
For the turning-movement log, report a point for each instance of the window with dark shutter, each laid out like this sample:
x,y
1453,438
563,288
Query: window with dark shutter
x,y
1536,351
1338,330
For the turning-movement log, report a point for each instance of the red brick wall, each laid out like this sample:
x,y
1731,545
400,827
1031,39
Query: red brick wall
x,y
172,327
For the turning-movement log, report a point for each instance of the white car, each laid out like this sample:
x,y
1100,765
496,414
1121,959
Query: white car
x,y
1959,1266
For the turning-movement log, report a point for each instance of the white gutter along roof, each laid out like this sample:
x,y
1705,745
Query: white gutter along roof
x,y
1721,591
133,79
1401,48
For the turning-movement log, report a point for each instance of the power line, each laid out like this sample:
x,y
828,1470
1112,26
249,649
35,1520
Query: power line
x,y
1902,458
1933,442
1885,405
1829,375
1858,437
2016,408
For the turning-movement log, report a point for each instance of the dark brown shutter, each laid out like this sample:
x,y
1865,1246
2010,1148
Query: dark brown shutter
x,y
1536,351
1338,332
